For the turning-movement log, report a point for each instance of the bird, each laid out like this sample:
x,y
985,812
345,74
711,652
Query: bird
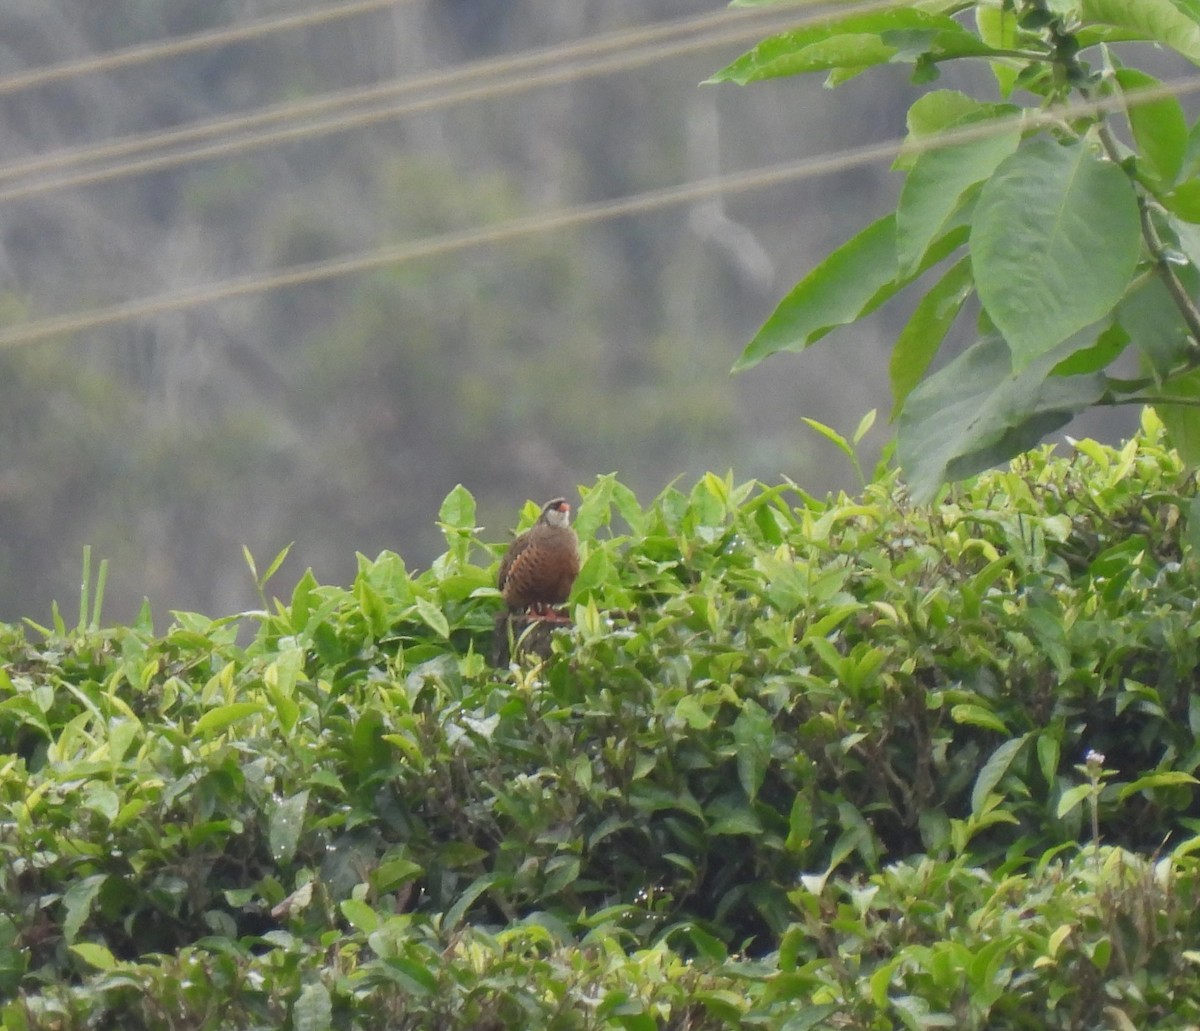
x,y
540,566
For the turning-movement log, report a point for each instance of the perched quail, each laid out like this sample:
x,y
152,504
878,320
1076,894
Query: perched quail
x,y
541,564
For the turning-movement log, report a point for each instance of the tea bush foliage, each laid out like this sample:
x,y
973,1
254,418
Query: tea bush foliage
x,y
799,763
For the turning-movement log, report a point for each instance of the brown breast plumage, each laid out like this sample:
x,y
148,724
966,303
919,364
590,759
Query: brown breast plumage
x,y
540,566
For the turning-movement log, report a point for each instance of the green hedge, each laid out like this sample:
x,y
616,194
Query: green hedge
x,y
799,763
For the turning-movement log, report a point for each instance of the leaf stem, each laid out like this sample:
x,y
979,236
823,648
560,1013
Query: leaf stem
x,y
1183,301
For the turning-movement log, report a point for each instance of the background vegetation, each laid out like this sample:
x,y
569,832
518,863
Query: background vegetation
x,y
337,415
844,764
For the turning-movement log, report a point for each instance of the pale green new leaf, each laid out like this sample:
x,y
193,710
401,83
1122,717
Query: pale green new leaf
x,y
998,29
855,41
94,955
1159,20
217,719
1055,240
458,509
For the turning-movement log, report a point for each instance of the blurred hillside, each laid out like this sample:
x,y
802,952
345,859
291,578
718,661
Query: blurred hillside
x,y
337,414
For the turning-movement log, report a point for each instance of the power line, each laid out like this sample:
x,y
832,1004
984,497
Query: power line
x,y
448,81
569,218
145,52
360,119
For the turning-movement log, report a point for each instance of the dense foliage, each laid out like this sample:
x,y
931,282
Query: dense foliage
x,y
799,763
1064,203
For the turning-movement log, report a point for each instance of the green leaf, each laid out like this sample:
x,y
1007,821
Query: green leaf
x,y
77,903
1159,126
596,508
1071,798
926,328
852,42
937,110
1048,749
836,292
993,772
286,823
467,899
1161,779
998,29
95,955
276,562
1158,20
937,183
216,720
1055,240
1183,420
831,435
361,916
851,282
392,874
414,978
690,711
1154,324
313,1009
976,413
458,509
754,735
978,716
432,616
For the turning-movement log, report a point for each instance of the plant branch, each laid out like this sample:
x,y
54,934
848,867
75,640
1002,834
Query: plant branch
x,y
1183,301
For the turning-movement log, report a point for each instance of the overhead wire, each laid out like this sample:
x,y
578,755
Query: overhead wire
x,y
588,214
516,73
173,47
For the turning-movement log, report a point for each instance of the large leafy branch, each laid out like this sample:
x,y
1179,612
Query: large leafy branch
x,y
1064,212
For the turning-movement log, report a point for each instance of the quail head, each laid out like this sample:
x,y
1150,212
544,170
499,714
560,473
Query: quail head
x,y
540,566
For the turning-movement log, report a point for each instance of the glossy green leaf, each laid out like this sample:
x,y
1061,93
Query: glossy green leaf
x,y
1055,239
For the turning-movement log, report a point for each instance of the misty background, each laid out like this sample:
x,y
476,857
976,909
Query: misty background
x,y
337,414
